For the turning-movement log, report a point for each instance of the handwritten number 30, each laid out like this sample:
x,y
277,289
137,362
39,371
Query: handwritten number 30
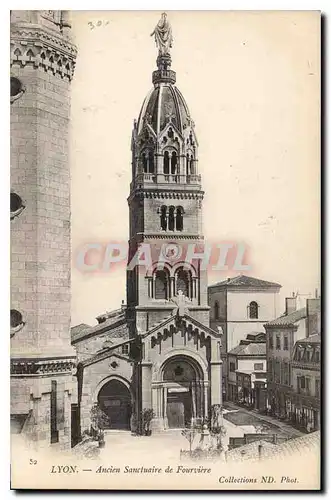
x,y
97,24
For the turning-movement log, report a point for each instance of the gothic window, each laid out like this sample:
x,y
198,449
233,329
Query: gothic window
x,y
187,164
217,310
166,163
151,162
192,165
144,159
179,218
164,218
161,284
171,221
183,281
253,310
174,163
171,133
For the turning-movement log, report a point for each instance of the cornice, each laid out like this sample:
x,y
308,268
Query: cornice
x,y
36,45
21,366
167,236
164,195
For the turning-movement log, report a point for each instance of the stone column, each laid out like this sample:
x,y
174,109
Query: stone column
x,y
215,373
205,413
159,166
194,407
146,385
165,399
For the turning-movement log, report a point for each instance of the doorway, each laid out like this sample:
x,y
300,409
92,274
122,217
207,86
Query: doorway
x,y
179,410
115,400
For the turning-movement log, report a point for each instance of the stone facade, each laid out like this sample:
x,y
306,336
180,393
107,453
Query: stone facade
x,y
283,334
171,363
42,63
239,306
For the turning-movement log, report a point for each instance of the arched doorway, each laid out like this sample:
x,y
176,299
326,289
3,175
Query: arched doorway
x,y
114,399
184,391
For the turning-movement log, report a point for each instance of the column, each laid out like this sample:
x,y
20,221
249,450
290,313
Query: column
x,y
194,286
165,399
205,414
172,287
159,166
215,373
194,408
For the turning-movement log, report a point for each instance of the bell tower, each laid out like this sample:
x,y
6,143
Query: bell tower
x,y
165,202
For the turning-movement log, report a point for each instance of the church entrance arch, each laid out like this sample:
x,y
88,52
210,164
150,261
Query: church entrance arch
x,y
114,399
183,387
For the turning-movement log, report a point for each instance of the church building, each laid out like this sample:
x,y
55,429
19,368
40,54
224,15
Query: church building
x,y
157,352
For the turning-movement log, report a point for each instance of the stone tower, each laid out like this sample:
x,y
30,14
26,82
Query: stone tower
x,y
165,205
42,66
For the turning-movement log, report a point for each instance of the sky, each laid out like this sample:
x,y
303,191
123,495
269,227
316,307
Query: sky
x,y
252,82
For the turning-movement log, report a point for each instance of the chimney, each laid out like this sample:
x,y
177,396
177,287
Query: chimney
x,y
313,307
290,304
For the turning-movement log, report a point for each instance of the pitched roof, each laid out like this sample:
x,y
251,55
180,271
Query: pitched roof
x,y
117,327
312,339
249,451
76,330
245,282
252,349
289,319
304,444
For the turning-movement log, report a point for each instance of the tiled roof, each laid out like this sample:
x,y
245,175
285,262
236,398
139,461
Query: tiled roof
x,y
116,328
246,282
297,446
249,451
76,330
289,319
301,445
312,339
253,349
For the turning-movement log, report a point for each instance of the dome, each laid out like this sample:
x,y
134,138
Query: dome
x,y
162,105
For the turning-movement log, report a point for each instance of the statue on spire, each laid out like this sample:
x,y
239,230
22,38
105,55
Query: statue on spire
x,y
163,35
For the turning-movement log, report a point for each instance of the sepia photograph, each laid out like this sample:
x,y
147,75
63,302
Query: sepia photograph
x,y
165,226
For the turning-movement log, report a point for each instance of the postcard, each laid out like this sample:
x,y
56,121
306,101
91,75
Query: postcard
x,y
165,321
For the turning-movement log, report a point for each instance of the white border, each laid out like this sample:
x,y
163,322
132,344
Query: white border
x,y
323,6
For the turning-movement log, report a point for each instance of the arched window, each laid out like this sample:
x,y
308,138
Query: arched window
x,y
184,282
144,160
192,165
151,162
166,163
171,221
174,163
187,164
161,285
253,310
217,310
179,218
164,218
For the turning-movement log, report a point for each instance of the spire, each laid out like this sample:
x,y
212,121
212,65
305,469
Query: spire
x,y
163,40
